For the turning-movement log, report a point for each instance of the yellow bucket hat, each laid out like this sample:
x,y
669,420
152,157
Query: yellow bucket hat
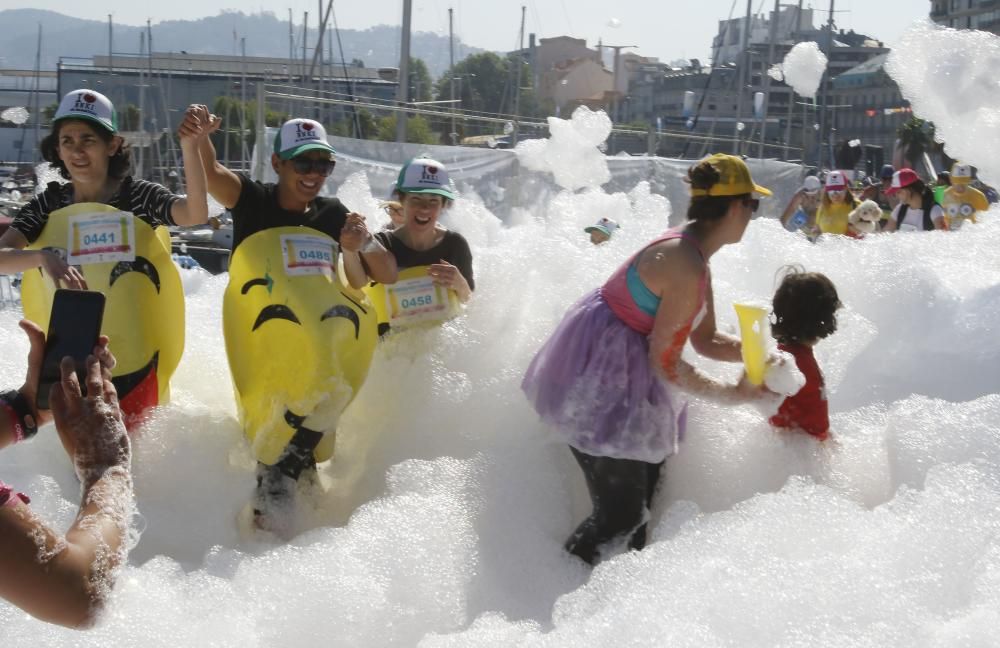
x,y
735,178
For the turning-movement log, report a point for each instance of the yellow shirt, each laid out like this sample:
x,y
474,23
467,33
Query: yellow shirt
x,y
832,218
959,207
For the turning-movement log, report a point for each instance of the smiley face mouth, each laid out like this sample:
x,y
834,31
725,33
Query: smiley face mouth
x,y
125,383
142,265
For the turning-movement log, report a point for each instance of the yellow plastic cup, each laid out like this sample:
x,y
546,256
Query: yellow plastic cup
x,y
753,332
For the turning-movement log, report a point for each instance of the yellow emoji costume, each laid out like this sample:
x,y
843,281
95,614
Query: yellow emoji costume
x,y
299,342
130,262
413,299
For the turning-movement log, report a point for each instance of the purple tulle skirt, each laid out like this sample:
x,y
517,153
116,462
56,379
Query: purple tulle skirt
x,y
592,381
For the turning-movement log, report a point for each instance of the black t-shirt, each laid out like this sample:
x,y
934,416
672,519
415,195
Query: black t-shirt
x,y
453,248
146,200
257,209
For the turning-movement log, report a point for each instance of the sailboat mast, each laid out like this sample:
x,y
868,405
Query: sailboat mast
x,y
403,90
38,87
767,77
517,85
451,74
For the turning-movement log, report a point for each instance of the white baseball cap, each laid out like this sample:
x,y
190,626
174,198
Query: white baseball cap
x,y
811,184
424,175
961,173
605,225
88,105
296,136
836,181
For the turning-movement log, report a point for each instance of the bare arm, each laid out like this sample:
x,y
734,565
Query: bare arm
x,y
790,208
223,184
14,258
449,275
680,273
938,220
193,208
381,264
68,580
708,340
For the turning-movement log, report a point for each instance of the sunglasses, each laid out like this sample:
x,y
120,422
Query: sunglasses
x,y
752,203
836,192
305,166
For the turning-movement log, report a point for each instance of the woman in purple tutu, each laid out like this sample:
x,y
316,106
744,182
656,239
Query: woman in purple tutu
x,y
611,379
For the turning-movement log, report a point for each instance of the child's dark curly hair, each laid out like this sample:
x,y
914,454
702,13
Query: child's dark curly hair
x,y
804,307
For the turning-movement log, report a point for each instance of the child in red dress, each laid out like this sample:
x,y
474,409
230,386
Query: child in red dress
x,y
804,312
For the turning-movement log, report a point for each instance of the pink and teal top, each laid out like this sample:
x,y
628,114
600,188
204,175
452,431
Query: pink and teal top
x,y
628,296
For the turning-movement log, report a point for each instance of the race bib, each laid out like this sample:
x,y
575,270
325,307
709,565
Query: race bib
x,y
305,254
906,227
101,238
416,300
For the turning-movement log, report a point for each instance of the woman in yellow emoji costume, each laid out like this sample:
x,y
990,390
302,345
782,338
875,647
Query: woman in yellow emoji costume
x,y
299,345
103,231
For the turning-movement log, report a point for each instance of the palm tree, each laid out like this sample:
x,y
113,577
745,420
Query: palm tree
x,y
915,137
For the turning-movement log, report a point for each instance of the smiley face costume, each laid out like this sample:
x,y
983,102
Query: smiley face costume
x,y
124,257
299,342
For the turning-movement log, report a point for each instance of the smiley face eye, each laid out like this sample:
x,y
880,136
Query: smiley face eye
x,y
275,311
347,313
142,265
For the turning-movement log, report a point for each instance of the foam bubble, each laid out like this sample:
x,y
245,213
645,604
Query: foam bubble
x,y
948,76
802,68
571,153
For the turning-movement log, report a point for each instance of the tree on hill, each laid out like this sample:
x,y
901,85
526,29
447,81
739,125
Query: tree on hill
x,y
486,83
418,131
916,137
421,86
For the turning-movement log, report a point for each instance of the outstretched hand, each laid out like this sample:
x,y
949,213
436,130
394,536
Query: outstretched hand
x,y
198,123
36,355
354,234
63,274
446,274
90,427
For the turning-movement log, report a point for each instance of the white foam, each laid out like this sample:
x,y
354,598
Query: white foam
x,y
441,519
783,377
949,77
802,68
571,152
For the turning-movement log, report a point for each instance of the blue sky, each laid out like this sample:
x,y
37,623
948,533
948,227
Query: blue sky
x,y
667,29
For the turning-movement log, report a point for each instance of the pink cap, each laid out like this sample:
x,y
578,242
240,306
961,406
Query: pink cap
x,y
902,178
835,181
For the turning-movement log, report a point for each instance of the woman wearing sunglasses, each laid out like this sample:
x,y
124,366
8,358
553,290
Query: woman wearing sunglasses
x,y
610,379
303,159
836,205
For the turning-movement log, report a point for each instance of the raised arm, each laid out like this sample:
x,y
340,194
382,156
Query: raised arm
x,y
193,208
790,208
223,184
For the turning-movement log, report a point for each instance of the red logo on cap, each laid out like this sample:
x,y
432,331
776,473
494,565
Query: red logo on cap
x,y
89,98
432,170
306,126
